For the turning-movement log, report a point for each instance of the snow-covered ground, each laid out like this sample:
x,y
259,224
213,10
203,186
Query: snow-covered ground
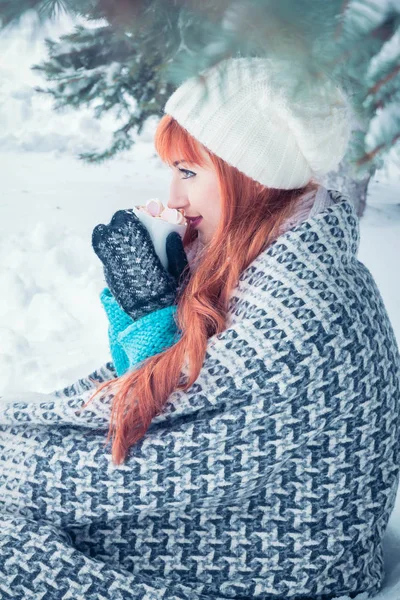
x,y
52,326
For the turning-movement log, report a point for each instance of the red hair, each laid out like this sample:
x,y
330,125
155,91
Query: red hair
x,y
251,217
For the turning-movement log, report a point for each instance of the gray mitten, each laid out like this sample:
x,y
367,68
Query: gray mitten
x,y
132,269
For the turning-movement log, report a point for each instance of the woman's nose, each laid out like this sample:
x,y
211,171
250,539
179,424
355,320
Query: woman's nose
x,y
177,199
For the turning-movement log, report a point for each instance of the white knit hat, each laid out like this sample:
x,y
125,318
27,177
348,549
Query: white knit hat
x,y
256,114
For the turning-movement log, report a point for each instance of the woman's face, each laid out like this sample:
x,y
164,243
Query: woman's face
x,y
194,190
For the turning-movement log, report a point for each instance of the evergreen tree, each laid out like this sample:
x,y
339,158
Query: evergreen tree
x,y
368,52
146,48
109,70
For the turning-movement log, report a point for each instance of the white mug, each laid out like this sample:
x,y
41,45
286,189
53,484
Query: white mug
x,y
159,230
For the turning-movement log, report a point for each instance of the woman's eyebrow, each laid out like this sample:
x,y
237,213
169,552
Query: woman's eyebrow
x,y
178,162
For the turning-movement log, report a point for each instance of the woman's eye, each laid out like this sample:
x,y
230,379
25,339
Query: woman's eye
x,y
186,171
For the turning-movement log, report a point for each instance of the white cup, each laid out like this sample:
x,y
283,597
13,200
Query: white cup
x,y
159,230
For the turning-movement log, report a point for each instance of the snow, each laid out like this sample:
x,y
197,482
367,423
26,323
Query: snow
x,y
52,326
28,122
50,277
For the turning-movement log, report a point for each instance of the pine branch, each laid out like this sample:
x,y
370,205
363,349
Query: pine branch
x,y
148,47
338,32
11,11
381,82
388,99
369,156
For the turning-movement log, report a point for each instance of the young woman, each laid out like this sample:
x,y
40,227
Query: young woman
x,y
253,398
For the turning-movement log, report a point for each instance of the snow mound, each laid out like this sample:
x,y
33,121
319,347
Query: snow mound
x,y
50,280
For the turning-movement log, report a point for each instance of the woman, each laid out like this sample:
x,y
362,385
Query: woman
x,y
255,415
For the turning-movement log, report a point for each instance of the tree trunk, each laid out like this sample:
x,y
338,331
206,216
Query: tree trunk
x,y
355,189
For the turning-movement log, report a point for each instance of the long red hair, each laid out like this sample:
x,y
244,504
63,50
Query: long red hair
x,y
251,217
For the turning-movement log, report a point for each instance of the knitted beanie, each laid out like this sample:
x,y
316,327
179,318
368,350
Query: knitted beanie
x,y
273,122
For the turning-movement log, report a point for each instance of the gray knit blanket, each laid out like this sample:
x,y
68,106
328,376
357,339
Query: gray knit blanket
x,y
273,477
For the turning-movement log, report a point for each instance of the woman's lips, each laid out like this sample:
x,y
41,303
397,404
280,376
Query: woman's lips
x,y
194,222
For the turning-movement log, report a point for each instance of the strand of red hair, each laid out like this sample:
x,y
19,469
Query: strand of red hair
x,y
251,217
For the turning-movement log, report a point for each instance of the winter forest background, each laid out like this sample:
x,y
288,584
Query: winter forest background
x,y
64,171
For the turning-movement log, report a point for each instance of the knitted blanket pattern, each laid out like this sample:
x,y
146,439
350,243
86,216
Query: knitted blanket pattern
x,y
273,477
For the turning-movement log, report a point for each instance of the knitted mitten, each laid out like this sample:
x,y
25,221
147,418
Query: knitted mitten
x,y
132,269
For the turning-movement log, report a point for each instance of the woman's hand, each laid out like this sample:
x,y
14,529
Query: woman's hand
x,y
132,269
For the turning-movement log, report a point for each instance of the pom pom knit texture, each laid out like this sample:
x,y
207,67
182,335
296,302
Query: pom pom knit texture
x,y
272,477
